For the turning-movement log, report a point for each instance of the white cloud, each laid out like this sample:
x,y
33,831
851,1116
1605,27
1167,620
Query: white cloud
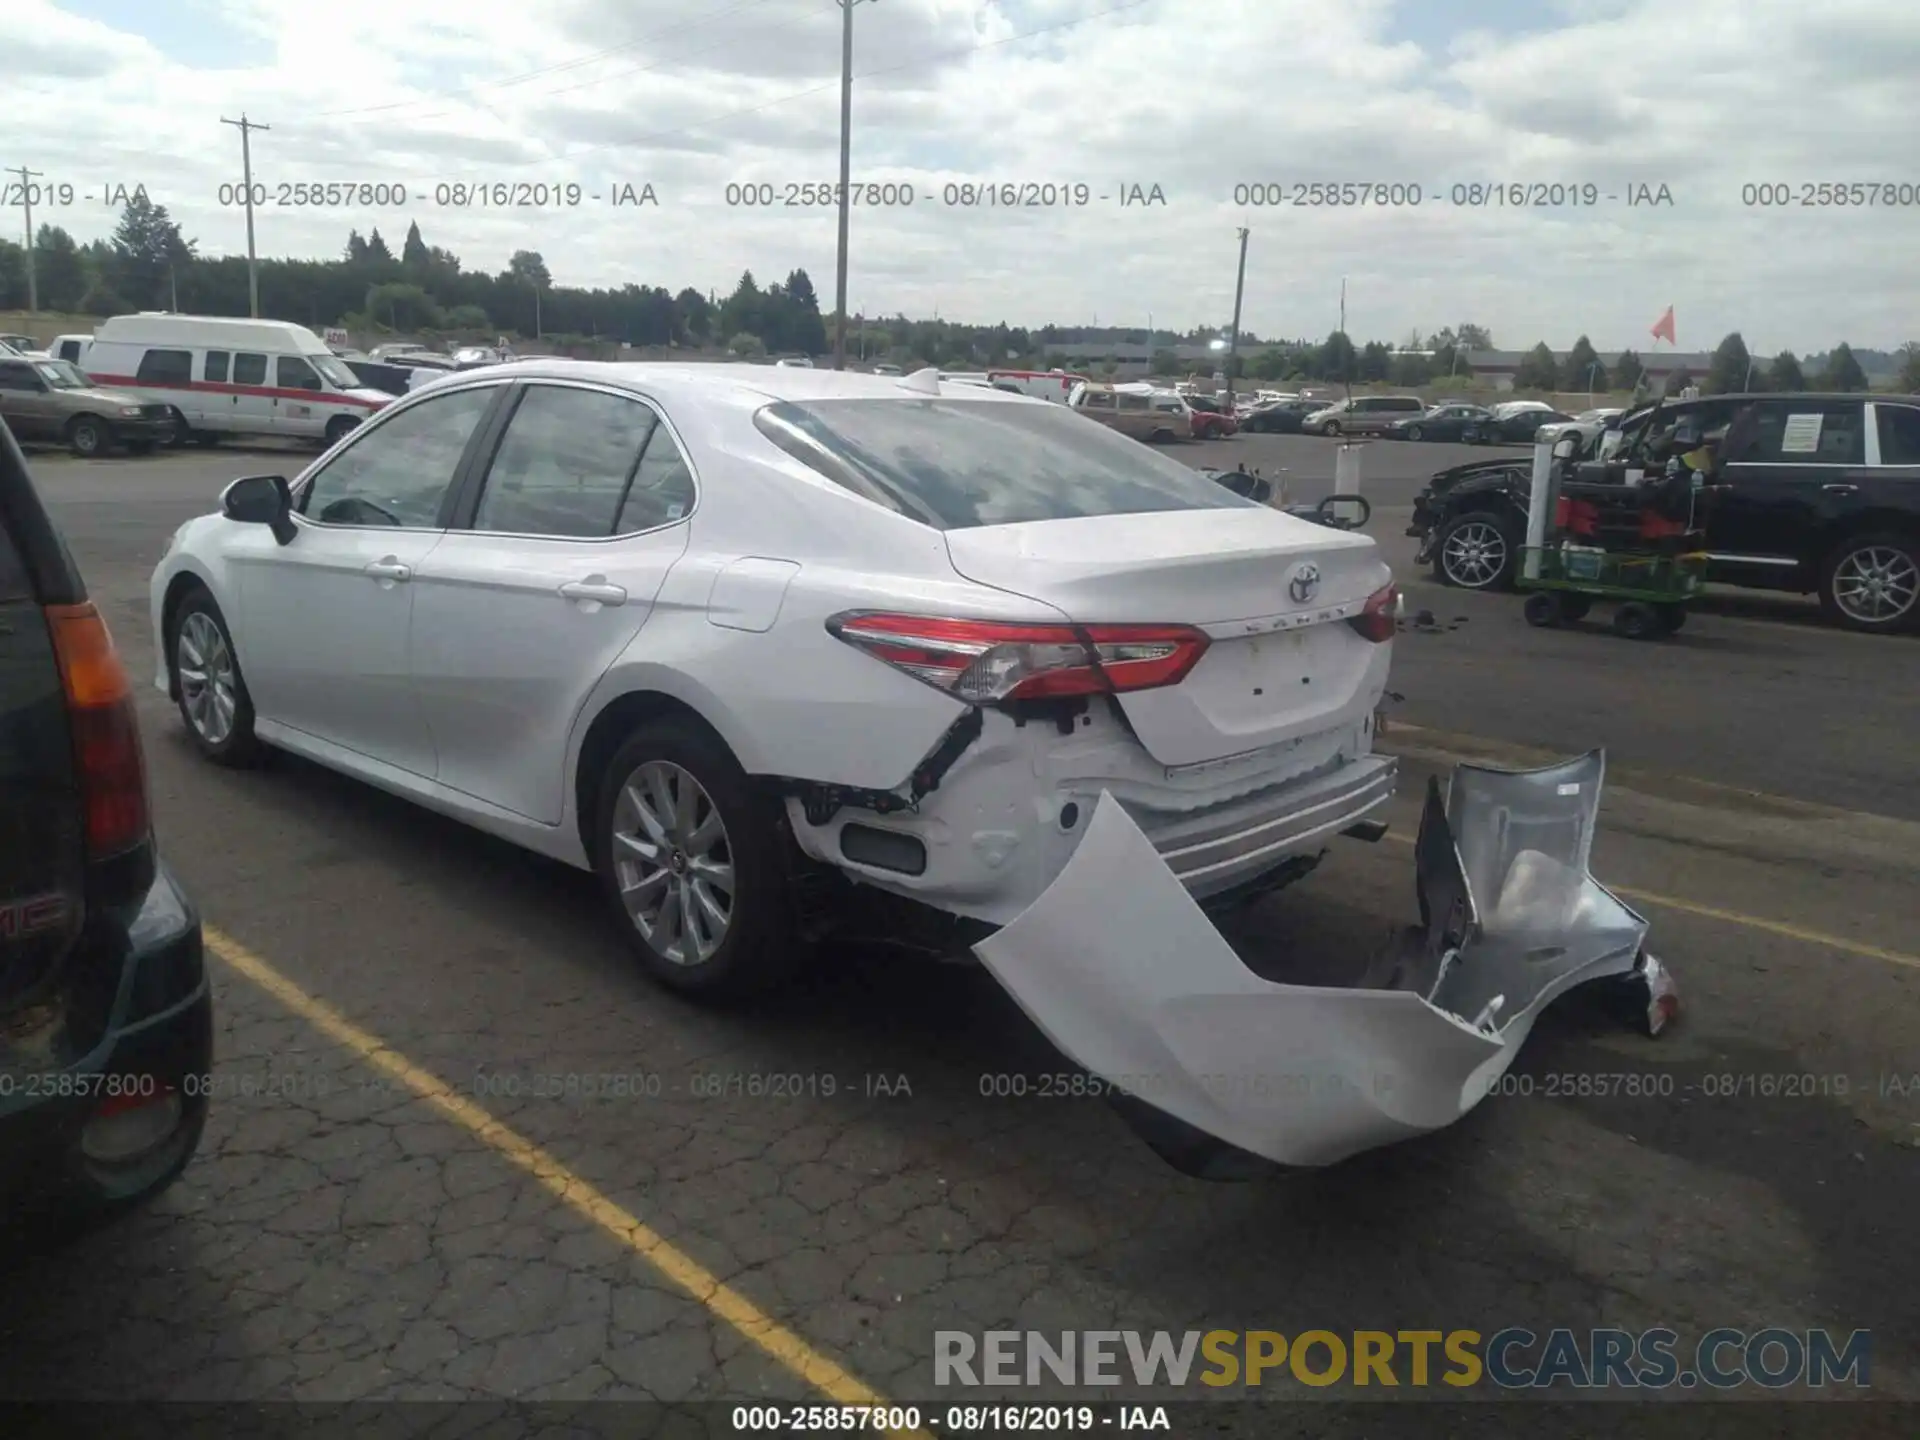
x,y
1196,96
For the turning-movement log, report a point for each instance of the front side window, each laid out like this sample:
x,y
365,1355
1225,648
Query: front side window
x,y
565,464
165,367
295,374
954,464
399,471
16,376
1135,402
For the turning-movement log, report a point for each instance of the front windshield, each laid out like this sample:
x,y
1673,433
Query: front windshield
x,y
334,370
61,375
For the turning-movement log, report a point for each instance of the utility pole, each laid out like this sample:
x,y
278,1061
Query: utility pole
x,y
1233,340
846,176
27,177
1346,363
246,128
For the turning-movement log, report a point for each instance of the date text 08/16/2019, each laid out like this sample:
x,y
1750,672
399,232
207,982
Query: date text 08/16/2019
x,y
442,194
986,194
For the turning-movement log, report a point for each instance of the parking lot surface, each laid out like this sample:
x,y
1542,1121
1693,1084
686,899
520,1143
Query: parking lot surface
x,y
791,1201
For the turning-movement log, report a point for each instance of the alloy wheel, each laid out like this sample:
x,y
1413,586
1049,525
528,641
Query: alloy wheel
x,y
673,862
204,662
1876,584
1474,554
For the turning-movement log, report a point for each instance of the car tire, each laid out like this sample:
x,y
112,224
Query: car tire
x,y
1330,428
1478,550
204,669
338,428
1871,583
1414,432
666,790
88,436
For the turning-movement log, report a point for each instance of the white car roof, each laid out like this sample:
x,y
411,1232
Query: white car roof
x,y
668,381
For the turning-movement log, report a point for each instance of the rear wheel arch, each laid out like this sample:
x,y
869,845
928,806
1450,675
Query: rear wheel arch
x,y
607,732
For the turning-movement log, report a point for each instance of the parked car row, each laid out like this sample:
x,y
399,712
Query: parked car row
x,y
1814,494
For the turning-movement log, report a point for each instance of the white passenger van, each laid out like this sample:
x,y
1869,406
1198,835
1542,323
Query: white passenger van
x,y
230,377
1056,385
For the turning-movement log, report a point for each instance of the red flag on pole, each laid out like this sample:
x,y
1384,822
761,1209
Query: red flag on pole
x,y
1663,327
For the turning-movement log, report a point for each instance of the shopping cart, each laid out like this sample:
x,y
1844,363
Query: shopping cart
x,y
1640,546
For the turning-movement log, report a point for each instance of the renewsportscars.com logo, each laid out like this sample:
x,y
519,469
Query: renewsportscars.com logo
x,y
1773,1358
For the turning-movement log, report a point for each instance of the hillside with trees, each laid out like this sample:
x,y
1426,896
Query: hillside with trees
x,y
422,289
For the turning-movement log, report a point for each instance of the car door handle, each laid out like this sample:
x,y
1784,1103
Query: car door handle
x,y
389,569
1841,489
594,587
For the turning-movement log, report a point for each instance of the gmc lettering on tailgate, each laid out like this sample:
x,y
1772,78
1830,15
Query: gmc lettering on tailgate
x,y
35,915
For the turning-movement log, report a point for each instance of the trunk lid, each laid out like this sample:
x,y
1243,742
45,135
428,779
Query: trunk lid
x,y
1271,590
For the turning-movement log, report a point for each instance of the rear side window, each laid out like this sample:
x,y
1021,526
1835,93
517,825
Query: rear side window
x,y
955,464
1805,433
565,464
1899,434
215,368
166,367
249,369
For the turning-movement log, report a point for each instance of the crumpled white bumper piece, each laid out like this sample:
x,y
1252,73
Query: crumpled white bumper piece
x,y
1215,1065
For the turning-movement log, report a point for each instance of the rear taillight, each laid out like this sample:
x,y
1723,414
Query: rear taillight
x,y
988,661
1376,620
106,739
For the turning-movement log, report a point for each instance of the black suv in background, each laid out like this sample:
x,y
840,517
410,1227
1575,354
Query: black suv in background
x,y
106,1020
1822,495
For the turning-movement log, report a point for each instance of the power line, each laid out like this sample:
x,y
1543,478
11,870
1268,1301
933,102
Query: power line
x,y
593,59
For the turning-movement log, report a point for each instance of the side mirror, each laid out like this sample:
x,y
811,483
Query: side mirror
x,y
261,500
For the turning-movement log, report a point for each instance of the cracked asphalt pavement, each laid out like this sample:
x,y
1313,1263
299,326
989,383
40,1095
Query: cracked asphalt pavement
x,y
778,1202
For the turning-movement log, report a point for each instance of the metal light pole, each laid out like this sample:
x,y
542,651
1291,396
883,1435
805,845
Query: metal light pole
x,y
27,177
246,128
846,159
1233,340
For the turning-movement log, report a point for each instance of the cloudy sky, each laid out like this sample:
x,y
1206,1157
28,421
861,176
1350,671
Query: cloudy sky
x,y
1200,98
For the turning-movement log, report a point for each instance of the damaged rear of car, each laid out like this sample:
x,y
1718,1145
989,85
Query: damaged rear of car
x,y
1212,664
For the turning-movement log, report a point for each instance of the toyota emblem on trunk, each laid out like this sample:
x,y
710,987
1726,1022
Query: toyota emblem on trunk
x,y
1304,583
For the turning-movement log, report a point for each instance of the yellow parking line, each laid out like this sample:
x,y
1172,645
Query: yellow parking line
x,y
1751,922
779,1343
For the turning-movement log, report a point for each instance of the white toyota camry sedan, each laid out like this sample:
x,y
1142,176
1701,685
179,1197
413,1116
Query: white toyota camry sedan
x,y
711,630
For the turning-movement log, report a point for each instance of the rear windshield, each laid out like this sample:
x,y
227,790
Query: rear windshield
x,y
955,465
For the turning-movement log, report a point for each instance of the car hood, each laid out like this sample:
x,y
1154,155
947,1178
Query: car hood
x,y
100,395
1441,481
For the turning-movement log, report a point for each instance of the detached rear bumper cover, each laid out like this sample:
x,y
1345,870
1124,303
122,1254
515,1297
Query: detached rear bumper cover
x,y
1215,1065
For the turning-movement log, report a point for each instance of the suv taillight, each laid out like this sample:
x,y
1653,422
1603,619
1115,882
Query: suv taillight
x,y
1377,620
986,662
106,738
